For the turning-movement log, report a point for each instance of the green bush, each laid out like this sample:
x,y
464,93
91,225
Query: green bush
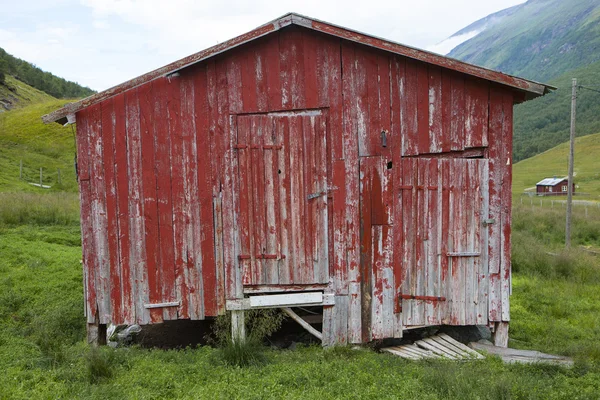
x,y
260,324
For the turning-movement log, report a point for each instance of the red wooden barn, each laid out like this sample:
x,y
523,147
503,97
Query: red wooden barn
x,y
553,186
301,163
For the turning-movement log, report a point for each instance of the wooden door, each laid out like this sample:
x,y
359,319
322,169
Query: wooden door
x,y
445,207
282,198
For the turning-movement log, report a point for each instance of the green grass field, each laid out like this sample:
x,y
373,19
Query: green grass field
x,y
555,308
555,162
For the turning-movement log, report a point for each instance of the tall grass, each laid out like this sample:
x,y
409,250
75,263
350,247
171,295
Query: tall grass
x,y
39,208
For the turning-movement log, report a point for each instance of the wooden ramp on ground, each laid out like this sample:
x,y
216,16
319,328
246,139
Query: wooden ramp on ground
x,y
520,356
439,346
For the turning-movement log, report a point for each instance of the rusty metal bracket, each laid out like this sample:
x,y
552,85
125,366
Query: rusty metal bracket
x,y
426,298
321,193
262,257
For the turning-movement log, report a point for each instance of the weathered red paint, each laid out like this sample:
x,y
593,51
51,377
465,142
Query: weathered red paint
x,y
301,161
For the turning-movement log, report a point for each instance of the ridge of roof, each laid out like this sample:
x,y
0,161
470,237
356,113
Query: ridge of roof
x,y
530,89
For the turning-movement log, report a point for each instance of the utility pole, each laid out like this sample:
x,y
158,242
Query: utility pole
x,y
571,162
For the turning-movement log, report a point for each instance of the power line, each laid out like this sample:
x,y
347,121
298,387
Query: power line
x,y
588,88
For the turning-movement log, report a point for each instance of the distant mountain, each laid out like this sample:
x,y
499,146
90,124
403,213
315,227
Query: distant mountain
x,y
540,39
38,79
549,41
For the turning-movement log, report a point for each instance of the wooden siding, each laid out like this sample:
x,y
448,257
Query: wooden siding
x,y
194,187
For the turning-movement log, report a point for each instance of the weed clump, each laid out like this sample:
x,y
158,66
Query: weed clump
x,y
260,324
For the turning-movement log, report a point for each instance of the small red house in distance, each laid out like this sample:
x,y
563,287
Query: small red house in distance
x,y
553,187
301,164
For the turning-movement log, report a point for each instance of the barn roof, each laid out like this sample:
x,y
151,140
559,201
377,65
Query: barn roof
x,y
530,89
550,181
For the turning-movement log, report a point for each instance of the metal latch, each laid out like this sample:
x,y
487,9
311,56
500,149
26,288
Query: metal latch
x,y
322,193
489,221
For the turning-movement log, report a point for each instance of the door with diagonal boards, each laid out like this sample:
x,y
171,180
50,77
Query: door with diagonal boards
x,y
282,198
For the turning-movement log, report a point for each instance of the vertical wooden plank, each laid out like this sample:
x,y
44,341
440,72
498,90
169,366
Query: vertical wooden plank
x,y
286,273
245,58
494,189
471,203
245,197
272,71
298,198
310,44
457,123
329,84
108,161
340,267
260,75
137,254
372,142
85,197
162,169
435,109
214,299
237,92
408,106
352,220
476,109
419,268
409,204
224,179
178,195
483,281
397,74
506,162
432,259
423,108
149,194
321,237
384,70
99,220
192,201
454,227
122,196
363,66
446,237
258,199
271,202
382,307
446,104
311,186
368,169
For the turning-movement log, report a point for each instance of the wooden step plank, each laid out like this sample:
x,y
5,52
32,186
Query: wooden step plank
x,y
451,346
442,348
460,345
434,349
426,353
399,352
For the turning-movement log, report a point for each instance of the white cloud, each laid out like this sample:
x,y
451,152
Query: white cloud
x,y
444,47
101,43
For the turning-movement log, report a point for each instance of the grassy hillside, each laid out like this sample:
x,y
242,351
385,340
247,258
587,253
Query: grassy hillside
x,y
16,94
23,137
543,123
540,40
554,162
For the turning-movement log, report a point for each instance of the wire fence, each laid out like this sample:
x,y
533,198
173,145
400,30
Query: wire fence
x,y
40,176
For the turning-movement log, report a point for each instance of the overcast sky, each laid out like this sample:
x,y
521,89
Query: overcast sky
x,y
101,43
